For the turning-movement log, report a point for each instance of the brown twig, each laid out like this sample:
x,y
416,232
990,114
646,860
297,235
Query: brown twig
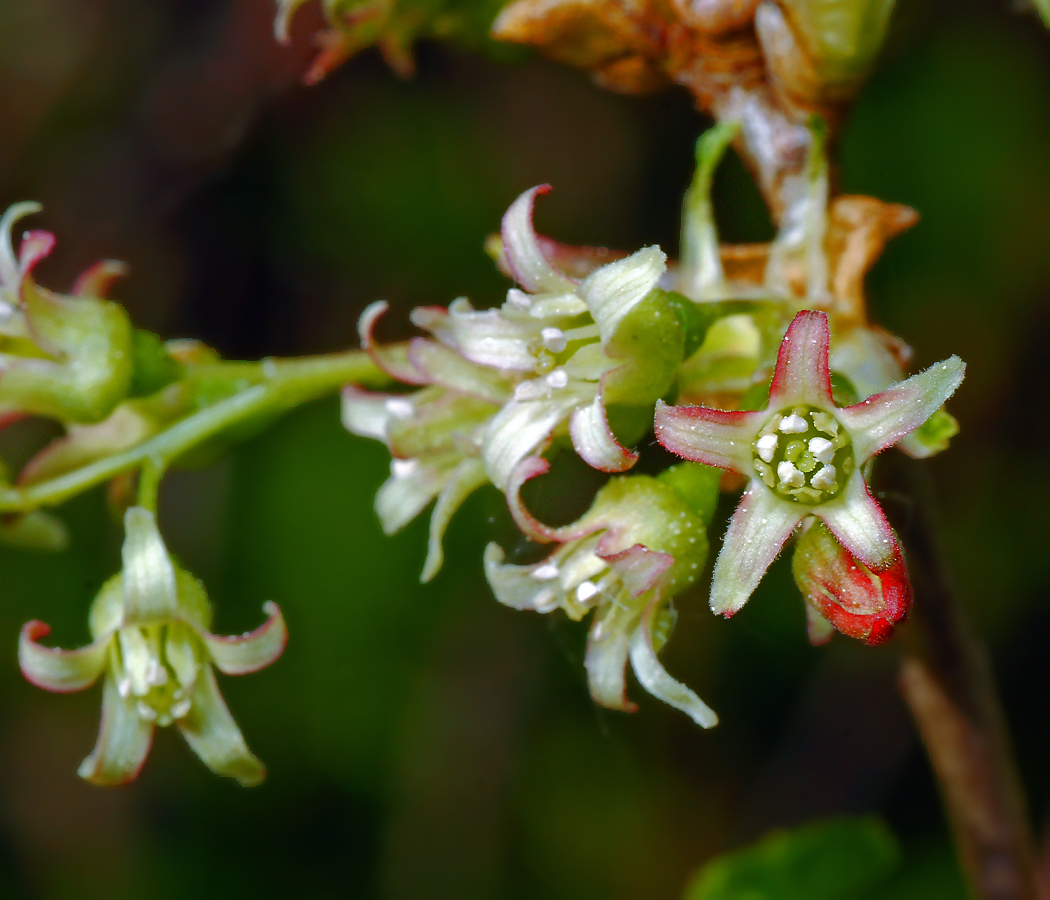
x,y
947,682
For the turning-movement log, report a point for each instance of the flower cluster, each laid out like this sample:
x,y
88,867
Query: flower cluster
x,y
589,350
497,386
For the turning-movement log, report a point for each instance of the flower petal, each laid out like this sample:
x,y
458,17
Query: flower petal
x,y
124,739
594,441
606,658
485,337
614,290
241,654
35,246
444,366
468,476
858,522
757,532
10,269
148,576
212,734
713,436
655,679
53,669
392,359
411,486
529,468
801,374
521,428
96,279
366,413
522,249
638,567
880,421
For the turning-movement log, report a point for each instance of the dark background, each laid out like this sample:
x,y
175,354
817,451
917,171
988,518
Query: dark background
x,y
424,741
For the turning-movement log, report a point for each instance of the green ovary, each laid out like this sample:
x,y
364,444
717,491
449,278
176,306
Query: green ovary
x,y
804,455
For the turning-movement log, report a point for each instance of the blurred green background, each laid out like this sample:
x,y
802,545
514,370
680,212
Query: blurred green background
x,y
423,742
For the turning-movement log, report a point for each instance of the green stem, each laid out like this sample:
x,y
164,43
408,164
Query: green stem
x,y
269,387
150,476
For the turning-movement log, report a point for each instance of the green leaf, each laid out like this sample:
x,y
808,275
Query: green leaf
x,y
838,859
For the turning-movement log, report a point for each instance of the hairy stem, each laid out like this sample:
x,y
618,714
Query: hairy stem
x,y
269,388
947,682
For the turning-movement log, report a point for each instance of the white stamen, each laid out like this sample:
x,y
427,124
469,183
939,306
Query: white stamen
x,y
145,712
790,476
545,601
518,298
767,446
403,468
124,687
400,407
793,424
528,390
156,674
554,339
558,379
180,709
825,479
545,572
585,591
822,449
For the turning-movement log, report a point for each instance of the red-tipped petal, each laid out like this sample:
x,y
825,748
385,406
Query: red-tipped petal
x,y
801,374
716,437
124,739
96,280
393,359
882,420
757,533
241,654
858,522
35,246
594,441
638,567
54,669
522,248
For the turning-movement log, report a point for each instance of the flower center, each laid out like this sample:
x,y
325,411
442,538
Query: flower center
x,y
804,455
158,667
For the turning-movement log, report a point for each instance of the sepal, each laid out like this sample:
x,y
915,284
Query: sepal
x,y
84,365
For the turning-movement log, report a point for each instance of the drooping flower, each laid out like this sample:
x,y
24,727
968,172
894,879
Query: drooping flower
x,y
156,655
643,541
496,386
804,457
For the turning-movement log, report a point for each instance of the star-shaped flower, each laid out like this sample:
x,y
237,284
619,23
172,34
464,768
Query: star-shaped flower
x,y
804,456
151,642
